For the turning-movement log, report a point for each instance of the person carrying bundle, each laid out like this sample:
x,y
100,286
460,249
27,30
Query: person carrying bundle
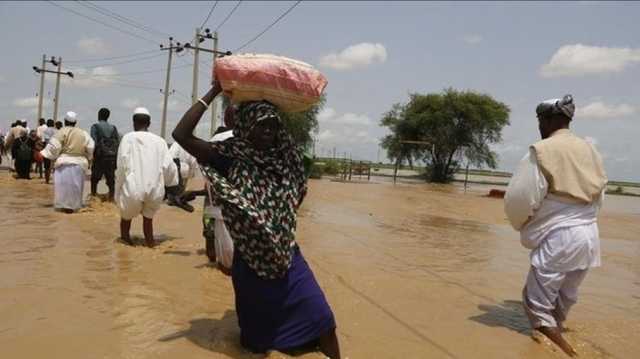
x,y
279,303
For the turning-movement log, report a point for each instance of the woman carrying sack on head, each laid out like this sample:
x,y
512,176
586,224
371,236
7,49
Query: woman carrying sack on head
x,y
279,304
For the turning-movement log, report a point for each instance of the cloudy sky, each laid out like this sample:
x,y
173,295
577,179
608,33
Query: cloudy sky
x,y
374,55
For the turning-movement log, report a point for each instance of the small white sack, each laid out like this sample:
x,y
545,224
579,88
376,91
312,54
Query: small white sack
x,y
527,188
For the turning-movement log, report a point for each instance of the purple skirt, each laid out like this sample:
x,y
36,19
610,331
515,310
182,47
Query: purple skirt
x,y
283,313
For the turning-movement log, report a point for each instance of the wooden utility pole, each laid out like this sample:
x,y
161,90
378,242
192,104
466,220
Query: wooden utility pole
x,y
59,72
200,37
196,62
163,126
214,103
41,92
57,98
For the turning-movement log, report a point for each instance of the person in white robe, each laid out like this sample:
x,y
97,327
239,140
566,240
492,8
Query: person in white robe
x,y
553,199
188,163
71,148
144,168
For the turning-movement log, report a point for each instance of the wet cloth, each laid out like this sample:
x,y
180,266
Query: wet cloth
x,y
68,186
282,313
548,295
144,169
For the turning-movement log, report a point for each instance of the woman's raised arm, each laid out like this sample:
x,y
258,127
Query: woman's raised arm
x,y
183,133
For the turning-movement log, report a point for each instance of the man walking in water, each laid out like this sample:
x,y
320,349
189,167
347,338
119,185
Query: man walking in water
x,y
145,167
71,148
553,200
107,139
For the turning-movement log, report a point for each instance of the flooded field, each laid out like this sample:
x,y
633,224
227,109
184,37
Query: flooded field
x,y
411,271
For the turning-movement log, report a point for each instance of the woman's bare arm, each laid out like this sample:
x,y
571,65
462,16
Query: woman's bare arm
x,y
183,133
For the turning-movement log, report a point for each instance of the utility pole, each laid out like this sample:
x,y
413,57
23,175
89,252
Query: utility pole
x,y
59,72
40,93
171,48
196,62
57,101
196,47
214,103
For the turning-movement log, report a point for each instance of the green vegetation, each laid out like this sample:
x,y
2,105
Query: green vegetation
x,y
303,125
453,126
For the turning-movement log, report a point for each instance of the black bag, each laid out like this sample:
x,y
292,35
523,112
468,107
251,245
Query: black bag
x,y
107,147
24,152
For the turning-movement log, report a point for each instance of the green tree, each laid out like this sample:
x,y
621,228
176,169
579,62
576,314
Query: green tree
x,y
303,125
452,126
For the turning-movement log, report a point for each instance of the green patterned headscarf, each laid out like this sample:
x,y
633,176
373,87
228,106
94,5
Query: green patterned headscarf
x,y
261,194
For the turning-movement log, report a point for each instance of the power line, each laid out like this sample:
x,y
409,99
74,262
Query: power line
x,y
124,62
123,19
268,27
209,15
101,22
124,84
112,58
137,72
228,16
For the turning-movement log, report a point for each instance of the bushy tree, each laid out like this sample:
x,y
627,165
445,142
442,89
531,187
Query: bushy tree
x,y
303,125
452,126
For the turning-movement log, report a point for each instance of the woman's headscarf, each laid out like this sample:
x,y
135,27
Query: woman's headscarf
x,y
261,194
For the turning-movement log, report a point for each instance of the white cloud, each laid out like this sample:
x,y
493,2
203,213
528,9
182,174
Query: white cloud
x,y
601,110
93,46
102,76
359,55
578,60
472,39
130,103
328,115
348,129
326,135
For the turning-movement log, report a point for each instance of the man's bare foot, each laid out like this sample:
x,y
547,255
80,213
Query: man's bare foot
x,y
150,242
556,337
127,240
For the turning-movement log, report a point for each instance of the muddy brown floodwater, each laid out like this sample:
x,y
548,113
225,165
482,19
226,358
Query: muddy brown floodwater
x,y
411,271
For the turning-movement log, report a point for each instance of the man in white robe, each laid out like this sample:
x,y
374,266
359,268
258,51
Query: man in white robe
x,y
71,148
553,199
144,168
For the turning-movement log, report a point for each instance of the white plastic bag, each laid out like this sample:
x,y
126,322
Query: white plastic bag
x,y
223,242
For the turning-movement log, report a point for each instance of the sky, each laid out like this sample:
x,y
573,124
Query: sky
x,y
374,54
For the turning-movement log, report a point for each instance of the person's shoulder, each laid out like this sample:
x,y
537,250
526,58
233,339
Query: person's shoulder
x,y
129,136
